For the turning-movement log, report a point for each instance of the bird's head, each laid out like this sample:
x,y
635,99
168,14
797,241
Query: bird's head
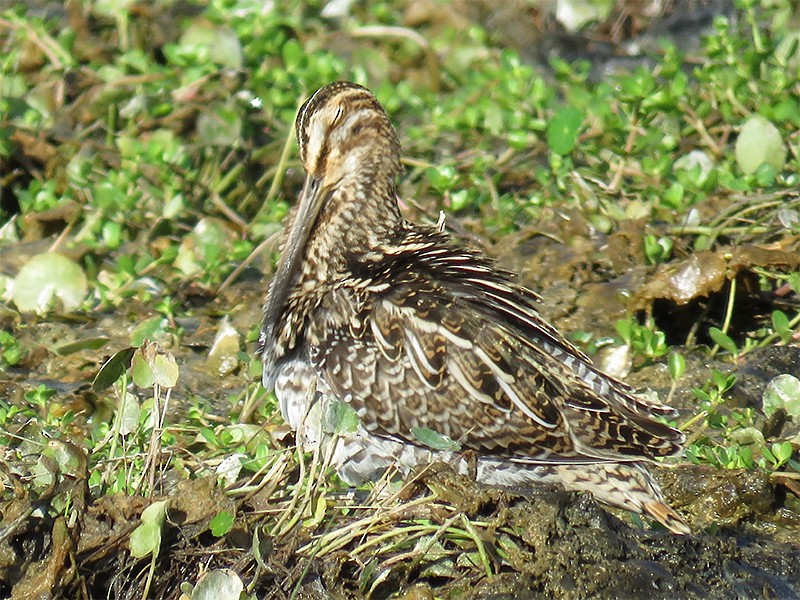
x,y
342,130
351,155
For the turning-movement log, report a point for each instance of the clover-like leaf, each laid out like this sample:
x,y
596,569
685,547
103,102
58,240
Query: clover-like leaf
x,y
759,142
222,584
782,392
48,277
562,130
222,523
152,366
146,538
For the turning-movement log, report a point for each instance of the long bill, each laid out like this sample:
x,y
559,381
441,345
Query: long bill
x,y
311,200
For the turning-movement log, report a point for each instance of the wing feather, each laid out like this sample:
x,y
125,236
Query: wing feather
x,y
454,345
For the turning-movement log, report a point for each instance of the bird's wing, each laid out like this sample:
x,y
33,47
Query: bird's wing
x,y
473,360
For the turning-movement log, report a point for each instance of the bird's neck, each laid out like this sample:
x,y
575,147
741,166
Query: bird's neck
x,y
361,214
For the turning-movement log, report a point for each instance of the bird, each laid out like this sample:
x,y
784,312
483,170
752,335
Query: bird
x,y
421,333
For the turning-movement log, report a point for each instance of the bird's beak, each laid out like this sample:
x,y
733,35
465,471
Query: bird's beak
x,y
311,200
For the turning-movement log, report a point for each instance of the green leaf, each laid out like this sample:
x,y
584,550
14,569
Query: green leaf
x,y
794,281
165,370
113,369
767,453
722,340
442,178
93,343
701,394
152,328
435,440
339,418
152,366
222,584
783,392
722,381
318,517
142,371
10,352
657,249
222,523
780,323
625,330
562,130
209,436
677,365
48,277
759,142
129,414
146,538
782,451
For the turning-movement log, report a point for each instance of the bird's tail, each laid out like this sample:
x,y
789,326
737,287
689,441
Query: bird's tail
x,y
627,485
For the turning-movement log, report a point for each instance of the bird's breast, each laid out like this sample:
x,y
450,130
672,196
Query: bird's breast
x,y
295,389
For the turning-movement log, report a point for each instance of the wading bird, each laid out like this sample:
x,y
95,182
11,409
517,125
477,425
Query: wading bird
x,y
417,332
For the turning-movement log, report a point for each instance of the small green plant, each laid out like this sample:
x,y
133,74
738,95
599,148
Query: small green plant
x,y
776,455
657,249
734,441
644,340
714,394
724,341
783,327
677,365
147,537
10,350
40,396
723,457
222,523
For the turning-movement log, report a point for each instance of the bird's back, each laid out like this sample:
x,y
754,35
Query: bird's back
x,y
425,333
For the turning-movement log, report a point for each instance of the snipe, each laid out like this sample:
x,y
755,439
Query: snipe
x,y
414,330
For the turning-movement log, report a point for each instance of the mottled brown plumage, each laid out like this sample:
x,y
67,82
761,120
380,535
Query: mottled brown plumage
x,y
414,330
